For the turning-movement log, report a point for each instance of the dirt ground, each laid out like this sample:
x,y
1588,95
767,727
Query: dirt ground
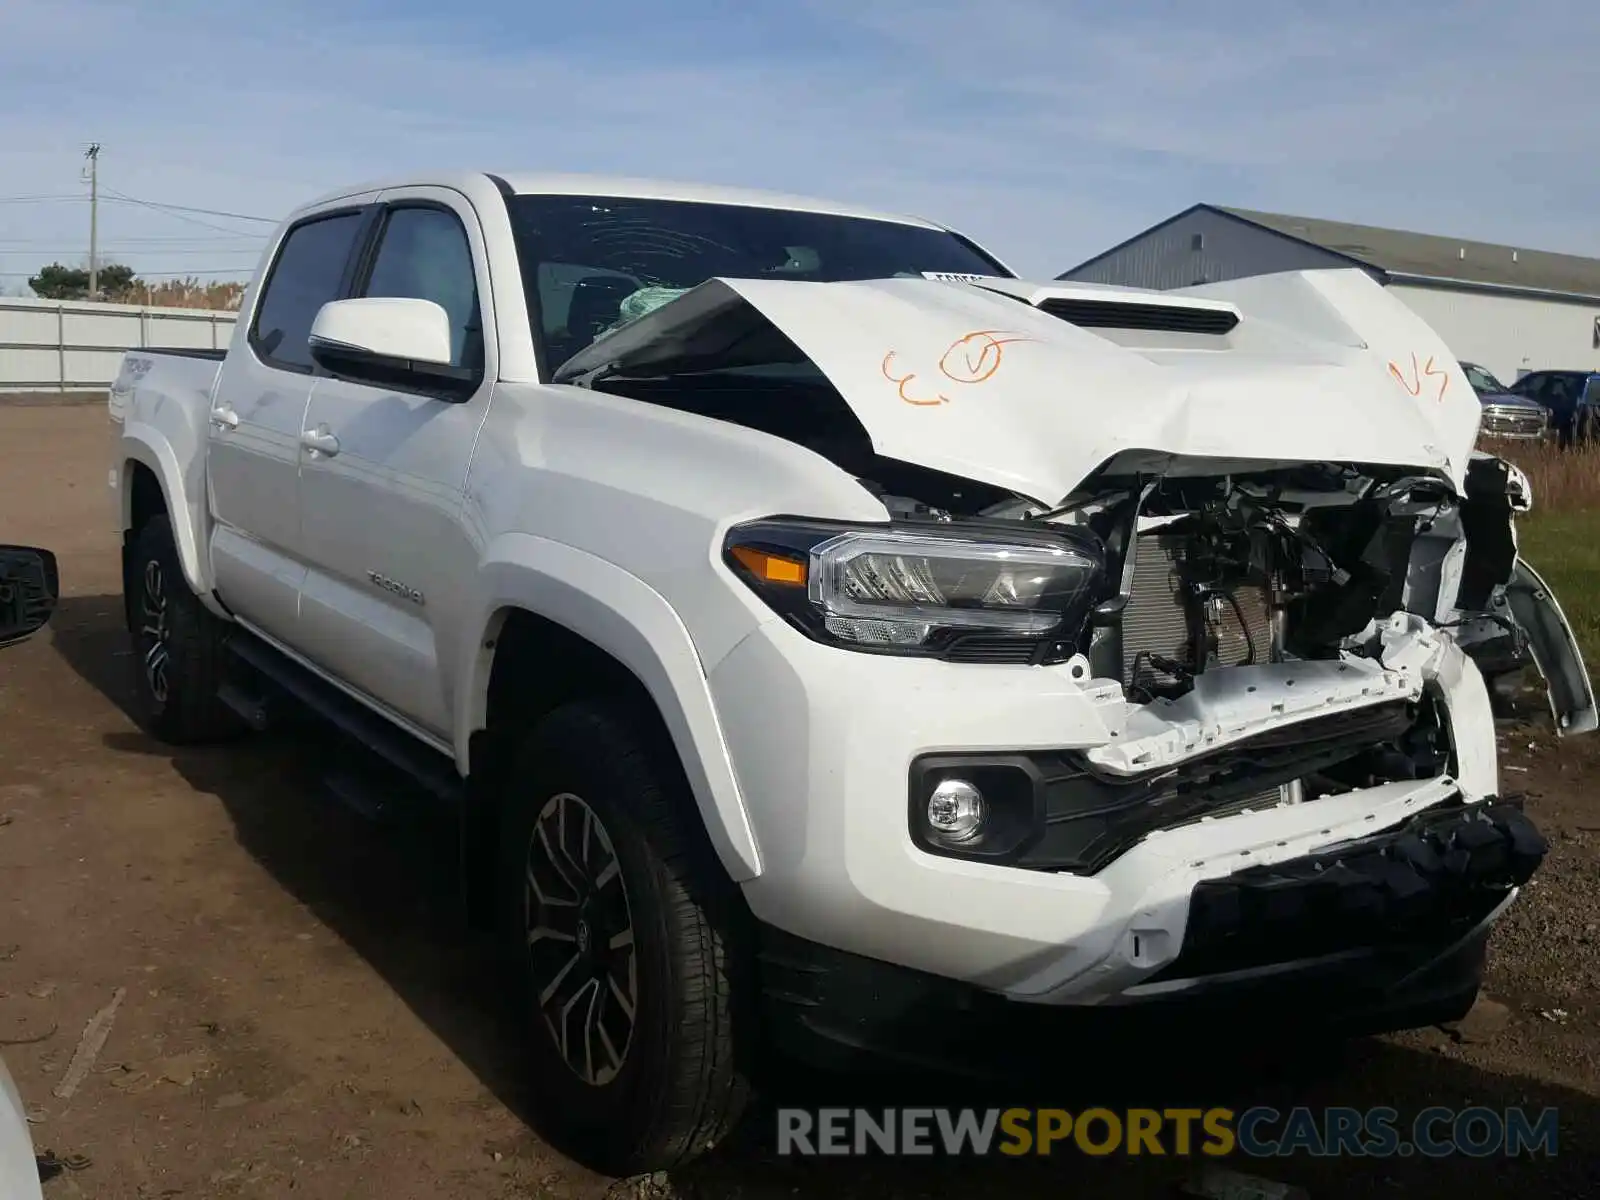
x,y
303,1014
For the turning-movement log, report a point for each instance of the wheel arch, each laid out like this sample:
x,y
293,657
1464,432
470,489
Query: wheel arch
x,y
150,480
554,624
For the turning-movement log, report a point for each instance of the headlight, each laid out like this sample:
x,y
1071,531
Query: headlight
x,y
923,590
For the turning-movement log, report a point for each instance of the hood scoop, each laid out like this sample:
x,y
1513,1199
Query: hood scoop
x,y
1168,318
1101,306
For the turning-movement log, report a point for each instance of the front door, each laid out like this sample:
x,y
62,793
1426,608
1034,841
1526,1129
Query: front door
x,y
258,412
382,482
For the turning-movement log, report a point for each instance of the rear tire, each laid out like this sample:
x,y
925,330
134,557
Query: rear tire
x,y
626,945
179,646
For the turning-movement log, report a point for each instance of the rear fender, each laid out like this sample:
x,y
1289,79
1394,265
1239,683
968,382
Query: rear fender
x,y
180,504
167,435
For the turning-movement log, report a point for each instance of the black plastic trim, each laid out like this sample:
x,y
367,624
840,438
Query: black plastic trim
x,y
417,760
834,1009
1011,785
181,352
1083,819
1434,879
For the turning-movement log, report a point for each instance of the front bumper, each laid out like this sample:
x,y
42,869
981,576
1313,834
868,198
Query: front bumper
x,y
823,740
1388,932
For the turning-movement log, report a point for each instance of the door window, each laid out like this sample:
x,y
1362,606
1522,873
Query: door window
x,y
1530,385
1560,393
307,274
424,255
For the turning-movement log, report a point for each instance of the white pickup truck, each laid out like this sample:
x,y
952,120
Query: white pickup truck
x,y
823,633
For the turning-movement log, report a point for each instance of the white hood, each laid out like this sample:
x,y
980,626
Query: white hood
x,y
975,380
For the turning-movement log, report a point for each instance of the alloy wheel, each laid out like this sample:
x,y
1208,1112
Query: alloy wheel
x,y
154,630
580,941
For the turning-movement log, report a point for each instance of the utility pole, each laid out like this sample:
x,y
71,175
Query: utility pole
x,y
93,155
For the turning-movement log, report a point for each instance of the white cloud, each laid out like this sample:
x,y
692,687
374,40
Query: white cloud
x,y
1045,129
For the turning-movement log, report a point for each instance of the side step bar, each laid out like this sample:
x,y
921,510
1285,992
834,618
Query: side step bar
x,y
430,769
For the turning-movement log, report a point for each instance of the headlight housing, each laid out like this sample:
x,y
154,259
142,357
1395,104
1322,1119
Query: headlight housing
x,y
983,590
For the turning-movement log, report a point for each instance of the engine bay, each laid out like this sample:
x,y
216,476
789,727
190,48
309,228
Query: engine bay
x,y
1210,572
1314,575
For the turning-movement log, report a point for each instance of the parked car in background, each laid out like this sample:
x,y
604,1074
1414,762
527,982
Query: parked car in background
x,y
1571,398
1505,414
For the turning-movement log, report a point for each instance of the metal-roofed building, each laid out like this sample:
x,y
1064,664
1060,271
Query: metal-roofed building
x,y
1511,309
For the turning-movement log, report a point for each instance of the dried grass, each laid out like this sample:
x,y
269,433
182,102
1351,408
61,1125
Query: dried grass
x,y
184,293
1564,480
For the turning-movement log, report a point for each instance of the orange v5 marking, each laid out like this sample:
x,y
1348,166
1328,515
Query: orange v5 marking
x,y
972,358
1426,371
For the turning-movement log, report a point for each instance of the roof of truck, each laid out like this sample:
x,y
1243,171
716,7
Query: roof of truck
x,y
536,183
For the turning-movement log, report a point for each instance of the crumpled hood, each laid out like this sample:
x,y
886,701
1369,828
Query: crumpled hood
x,y
979,380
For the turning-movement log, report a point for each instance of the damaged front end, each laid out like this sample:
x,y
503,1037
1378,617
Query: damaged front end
x,y
1248,640
1279,637
1278,572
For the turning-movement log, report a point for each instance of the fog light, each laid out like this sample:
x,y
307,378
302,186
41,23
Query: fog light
x,y
955,810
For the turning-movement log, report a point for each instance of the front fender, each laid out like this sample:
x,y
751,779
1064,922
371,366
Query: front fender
x,y
632,622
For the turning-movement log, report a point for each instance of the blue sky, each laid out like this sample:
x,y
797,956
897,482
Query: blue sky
x,y
1046,129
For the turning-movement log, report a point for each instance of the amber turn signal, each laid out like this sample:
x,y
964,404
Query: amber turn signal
x,y
771,568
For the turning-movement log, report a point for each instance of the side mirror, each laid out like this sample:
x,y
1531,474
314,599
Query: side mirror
x,y
30,586
389,341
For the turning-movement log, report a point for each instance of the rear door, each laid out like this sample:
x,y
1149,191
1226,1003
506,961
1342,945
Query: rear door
x,y
385,541
257,415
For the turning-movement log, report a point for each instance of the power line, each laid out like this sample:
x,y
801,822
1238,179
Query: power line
x,y
175,210
210,212
118,197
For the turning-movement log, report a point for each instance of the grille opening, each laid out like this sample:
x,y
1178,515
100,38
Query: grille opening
x,y
1098,314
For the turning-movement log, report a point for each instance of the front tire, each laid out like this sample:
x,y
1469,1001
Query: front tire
x,y
178,645
626,946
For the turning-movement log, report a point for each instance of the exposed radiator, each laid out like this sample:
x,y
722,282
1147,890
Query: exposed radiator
x,y
1156,621
1244,633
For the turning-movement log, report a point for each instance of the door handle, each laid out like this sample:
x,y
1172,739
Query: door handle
x,y
224,418
320,441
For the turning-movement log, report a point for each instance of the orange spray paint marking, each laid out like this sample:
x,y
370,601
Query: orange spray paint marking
x,y
970,359
975,357
901,382
1414,384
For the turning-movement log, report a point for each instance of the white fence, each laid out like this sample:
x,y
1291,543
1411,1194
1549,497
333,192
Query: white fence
x,y
77,345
